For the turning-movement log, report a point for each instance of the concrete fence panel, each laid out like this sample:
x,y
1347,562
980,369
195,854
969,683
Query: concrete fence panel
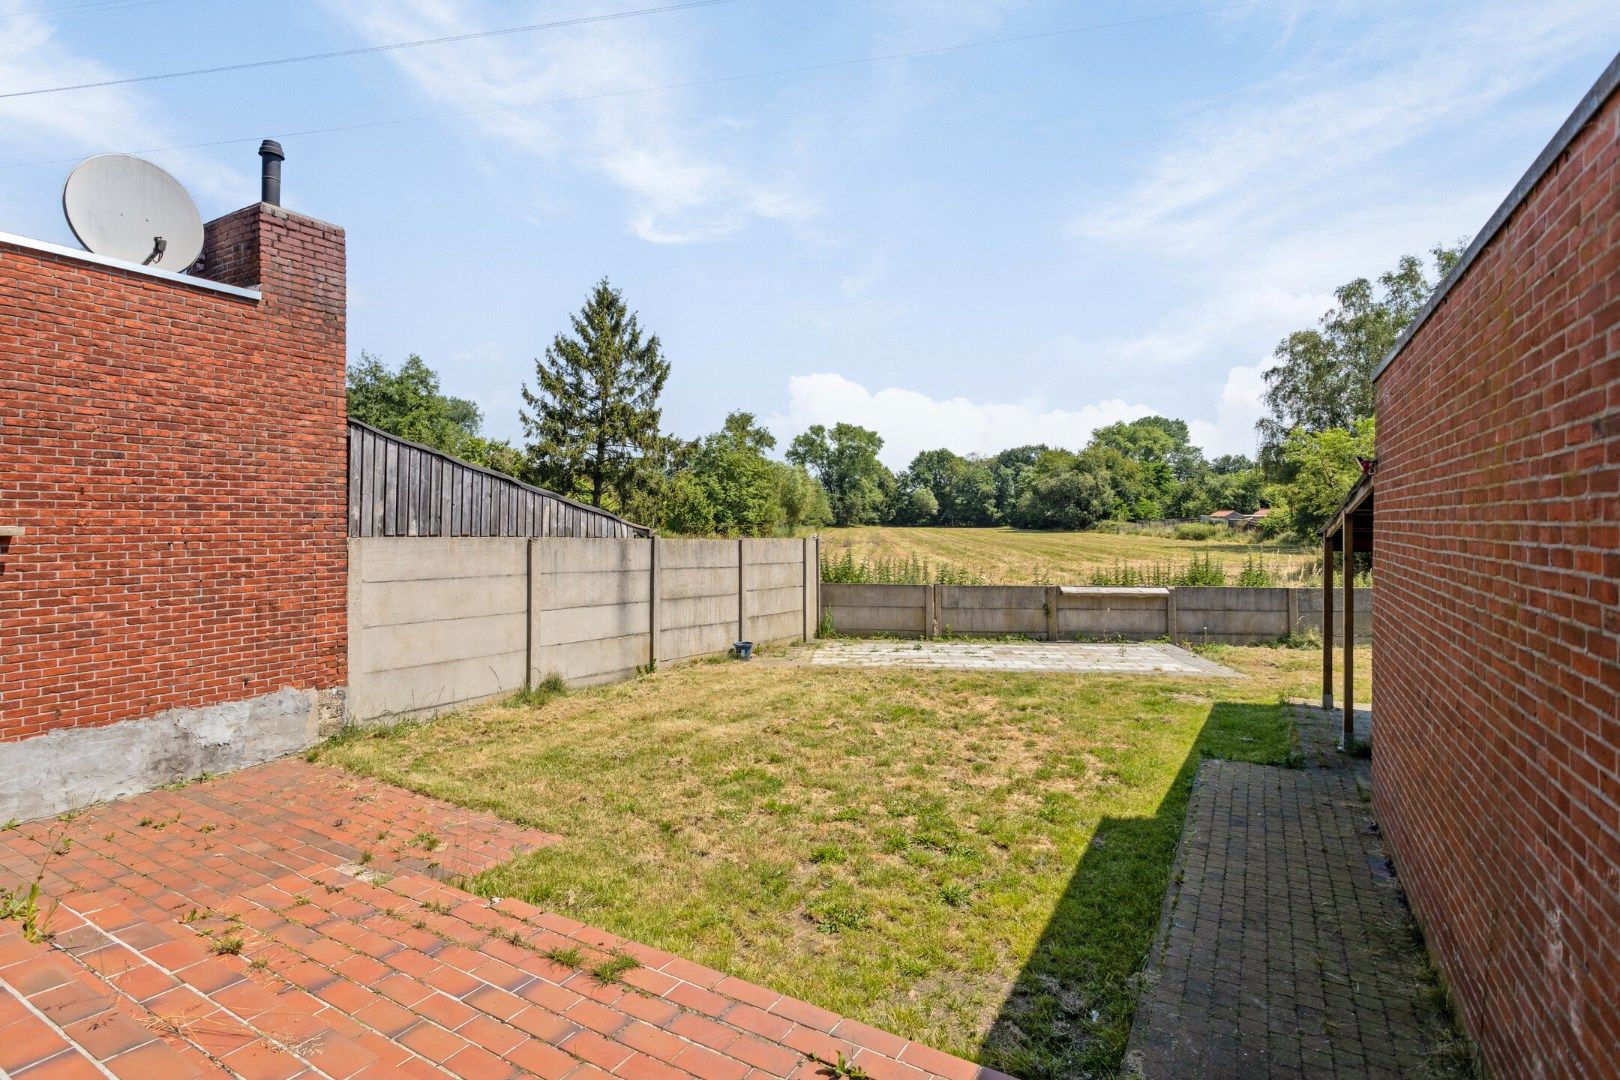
x,y
439,623
699,586
991,610
435,622
773,590
1138,614
901,610
590,609
1310,612
1233,616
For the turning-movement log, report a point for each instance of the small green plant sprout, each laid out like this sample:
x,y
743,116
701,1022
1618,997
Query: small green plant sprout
x,y
227,945
613,969
23,905
437,907
151,823
259,963
300,900
955,894
424,840
568,957
193,915
10,824
840,1069
366,857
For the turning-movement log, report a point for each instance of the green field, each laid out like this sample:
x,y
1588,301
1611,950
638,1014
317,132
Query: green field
x,y
1015,557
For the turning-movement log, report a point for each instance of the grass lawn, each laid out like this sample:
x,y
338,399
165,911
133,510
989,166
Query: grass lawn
x,y
974,860
1014,557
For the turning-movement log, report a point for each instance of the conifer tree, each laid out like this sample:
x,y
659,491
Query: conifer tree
x,y
594,414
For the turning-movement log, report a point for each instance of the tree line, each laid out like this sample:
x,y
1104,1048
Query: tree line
x,y
593,431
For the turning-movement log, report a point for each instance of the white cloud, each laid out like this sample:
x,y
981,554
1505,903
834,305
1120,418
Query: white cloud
x,y
1239,407
911,422
671,164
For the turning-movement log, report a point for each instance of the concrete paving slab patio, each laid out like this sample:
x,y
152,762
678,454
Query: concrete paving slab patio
x,y
292,920
1066,656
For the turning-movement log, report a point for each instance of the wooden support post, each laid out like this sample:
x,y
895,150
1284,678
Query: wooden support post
x,y
1348,737
1327,622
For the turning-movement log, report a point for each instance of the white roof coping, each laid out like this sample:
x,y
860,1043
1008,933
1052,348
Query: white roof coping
x,y
128,267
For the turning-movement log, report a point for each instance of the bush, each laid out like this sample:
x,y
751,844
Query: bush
x,y
1199,531
844,570
1203,571
1255,574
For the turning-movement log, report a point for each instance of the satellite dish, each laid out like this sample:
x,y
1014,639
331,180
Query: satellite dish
x,y
129,209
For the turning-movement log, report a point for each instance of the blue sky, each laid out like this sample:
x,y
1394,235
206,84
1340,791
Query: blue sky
x,y
975,248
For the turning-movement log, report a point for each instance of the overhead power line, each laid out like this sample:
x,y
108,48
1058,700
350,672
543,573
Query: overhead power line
x,y
719,80
557,24
95,7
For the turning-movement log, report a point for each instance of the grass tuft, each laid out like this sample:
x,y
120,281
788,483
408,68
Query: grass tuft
x,y
614,968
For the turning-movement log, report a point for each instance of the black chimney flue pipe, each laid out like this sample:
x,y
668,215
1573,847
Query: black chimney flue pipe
x,y
270,175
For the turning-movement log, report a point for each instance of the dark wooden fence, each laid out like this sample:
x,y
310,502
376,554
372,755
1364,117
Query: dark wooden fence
x,y
398,488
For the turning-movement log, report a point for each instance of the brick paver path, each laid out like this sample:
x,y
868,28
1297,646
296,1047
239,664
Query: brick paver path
x,y
1069,656
294,920
1283,950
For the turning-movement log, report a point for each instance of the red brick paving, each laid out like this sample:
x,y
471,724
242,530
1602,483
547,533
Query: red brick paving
x,y
356,958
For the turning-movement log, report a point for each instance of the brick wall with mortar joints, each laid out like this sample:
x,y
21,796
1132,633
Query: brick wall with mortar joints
x,y
1497,770
176,457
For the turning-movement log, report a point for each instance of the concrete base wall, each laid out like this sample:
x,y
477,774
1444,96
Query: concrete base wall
x,y
1234,616
440,623
71,768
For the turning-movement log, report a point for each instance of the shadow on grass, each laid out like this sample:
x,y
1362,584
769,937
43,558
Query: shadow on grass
x,y
1070,1010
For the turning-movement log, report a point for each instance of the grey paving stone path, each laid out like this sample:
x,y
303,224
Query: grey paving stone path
x,y
1284,948
1068,656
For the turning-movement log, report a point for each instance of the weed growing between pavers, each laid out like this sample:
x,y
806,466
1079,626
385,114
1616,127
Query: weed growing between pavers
x,y
975,860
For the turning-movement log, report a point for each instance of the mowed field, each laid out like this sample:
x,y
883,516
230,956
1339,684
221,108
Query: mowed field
x,y
1016,557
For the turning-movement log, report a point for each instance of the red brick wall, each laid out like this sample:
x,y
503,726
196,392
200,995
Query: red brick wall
x,y
1497,714
176,457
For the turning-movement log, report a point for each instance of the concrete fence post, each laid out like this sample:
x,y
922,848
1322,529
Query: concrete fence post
x,y
1172,620
1293,614
815,581
529,613
742,589
1052,594
808,596
930,611
652,602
